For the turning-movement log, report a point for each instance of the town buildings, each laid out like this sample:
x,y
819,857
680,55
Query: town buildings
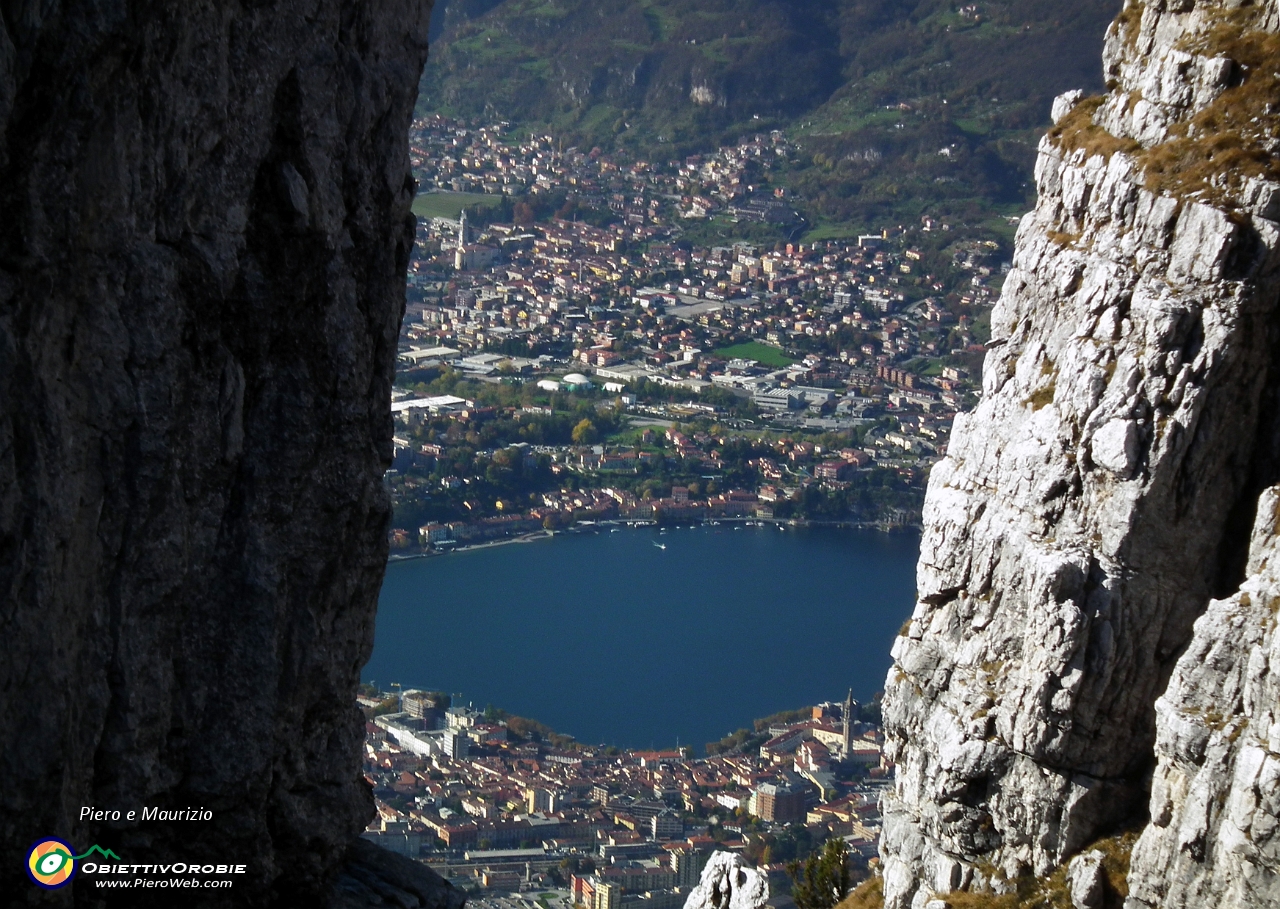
x,y
872,337
616,828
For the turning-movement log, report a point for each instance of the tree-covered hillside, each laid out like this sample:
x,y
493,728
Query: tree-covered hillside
x,y
644,71
874,90
688,70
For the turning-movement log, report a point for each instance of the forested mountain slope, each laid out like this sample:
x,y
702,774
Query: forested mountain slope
x,y
875,89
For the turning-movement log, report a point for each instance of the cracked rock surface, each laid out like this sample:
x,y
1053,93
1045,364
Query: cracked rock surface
x,y
727,882
1100,496
202,250
372,876
1214,836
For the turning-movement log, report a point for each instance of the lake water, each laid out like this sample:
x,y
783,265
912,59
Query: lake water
x,y
611,639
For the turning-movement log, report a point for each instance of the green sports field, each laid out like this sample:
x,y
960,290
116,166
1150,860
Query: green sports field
x,y
761,353
449,205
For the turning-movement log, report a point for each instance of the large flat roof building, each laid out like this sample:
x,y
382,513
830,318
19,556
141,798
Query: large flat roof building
x,y
778,802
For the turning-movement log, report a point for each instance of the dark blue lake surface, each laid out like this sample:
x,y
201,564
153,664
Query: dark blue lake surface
x,y
610,639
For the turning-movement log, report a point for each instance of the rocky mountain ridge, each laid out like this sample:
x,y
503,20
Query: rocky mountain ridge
x,y
1101,497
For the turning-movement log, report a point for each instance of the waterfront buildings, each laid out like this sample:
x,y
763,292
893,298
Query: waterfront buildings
x,y
621,829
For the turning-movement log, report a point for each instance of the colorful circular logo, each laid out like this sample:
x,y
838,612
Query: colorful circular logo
x,y
50,863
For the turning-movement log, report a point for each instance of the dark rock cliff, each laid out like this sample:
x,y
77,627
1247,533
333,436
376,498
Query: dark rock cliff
x,y
204,226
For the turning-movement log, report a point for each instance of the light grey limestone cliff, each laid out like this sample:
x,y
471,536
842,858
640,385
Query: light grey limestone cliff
x,y
1101,494
1214,836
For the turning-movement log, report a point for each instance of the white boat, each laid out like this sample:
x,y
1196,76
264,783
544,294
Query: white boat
x,y
661,545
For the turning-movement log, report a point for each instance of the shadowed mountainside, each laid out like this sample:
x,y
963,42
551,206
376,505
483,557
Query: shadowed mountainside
x,y
206,227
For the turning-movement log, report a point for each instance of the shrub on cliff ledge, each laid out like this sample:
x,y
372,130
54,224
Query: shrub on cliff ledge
x,y
823,879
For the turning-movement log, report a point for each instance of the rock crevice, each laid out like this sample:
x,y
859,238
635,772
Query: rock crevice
x,y
1214,836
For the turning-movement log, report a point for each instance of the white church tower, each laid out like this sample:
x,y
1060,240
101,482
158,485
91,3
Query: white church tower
x,y
460,253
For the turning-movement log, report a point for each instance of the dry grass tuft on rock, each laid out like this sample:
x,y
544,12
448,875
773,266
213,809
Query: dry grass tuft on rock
x,y
1130,22
1077,132
1054,891
867,895
1226,143
1212,155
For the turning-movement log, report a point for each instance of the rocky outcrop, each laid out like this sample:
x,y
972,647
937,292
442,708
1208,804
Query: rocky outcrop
x,y
727,882
1087,881
1100,496
1214,836
372,876
204,234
